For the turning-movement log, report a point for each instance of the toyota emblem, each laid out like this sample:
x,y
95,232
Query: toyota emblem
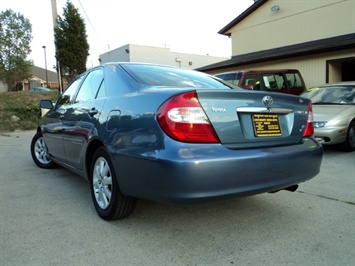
x,y
268,100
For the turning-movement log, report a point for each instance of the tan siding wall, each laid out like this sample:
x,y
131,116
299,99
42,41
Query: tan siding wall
x,y
335,71
312,68
295,22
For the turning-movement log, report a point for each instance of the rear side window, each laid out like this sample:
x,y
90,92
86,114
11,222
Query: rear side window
x,y
294,80
274,82
90,86
68,96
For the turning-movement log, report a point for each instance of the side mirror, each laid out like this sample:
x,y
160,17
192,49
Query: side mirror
x,y
46,104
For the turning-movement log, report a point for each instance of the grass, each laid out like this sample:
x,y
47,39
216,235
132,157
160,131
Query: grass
x,y
23,105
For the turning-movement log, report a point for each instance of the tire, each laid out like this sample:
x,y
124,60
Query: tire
x,y
349,143
109,202
39,152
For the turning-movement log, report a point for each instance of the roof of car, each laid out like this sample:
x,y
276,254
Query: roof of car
x,y
343,83
253,71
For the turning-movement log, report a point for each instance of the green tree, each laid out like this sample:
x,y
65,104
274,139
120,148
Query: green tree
x,y
15,41
72,48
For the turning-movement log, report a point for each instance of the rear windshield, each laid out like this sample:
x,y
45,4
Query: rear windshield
x,y
154,75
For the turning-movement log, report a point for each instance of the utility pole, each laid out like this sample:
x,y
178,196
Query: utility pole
x,y
55,24
45,61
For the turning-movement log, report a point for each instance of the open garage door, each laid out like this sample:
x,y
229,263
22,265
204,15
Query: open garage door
x,y
340,70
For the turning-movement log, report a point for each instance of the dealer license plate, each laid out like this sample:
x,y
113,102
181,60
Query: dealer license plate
x,y
266,125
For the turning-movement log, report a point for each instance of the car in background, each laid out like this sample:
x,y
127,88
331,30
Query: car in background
x,y
334,113
39,89
287,81
173,135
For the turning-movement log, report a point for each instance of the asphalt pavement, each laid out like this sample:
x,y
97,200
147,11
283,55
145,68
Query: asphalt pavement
x,y
47,218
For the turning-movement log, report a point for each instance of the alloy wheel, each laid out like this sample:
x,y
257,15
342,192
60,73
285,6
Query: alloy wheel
x,y
102,183
41,152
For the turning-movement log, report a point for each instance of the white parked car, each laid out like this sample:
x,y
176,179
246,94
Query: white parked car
x,y
334,113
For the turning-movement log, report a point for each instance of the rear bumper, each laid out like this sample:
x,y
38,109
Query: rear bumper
x,y
196,173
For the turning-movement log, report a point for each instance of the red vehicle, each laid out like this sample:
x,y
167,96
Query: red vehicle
x,y
287,81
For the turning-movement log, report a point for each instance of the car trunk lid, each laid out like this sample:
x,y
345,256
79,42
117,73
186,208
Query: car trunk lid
x,y
255,119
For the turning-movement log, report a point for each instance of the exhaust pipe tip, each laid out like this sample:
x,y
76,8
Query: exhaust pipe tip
x,y
290,188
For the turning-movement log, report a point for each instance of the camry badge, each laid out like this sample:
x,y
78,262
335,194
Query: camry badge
x,y
268,100
219,110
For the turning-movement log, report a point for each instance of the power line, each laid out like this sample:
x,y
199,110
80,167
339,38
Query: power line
x,y
87,17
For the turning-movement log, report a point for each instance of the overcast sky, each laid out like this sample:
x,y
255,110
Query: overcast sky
x,y
186,26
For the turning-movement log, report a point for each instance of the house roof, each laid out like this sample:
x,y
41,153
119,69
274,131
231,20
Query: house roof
x,y
313,47
247,12
41,73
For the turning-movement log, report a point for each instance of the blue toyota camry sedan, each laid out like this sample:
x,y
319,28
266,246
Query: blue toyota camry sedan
x,y
172,135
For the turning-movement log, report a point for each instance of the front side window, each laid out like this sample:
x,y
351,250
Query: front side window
x,y
252,80
68,96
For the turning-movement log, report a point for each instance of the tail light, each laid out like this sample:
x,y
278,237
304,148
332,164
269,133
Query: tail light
x,y
182,118
309,130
